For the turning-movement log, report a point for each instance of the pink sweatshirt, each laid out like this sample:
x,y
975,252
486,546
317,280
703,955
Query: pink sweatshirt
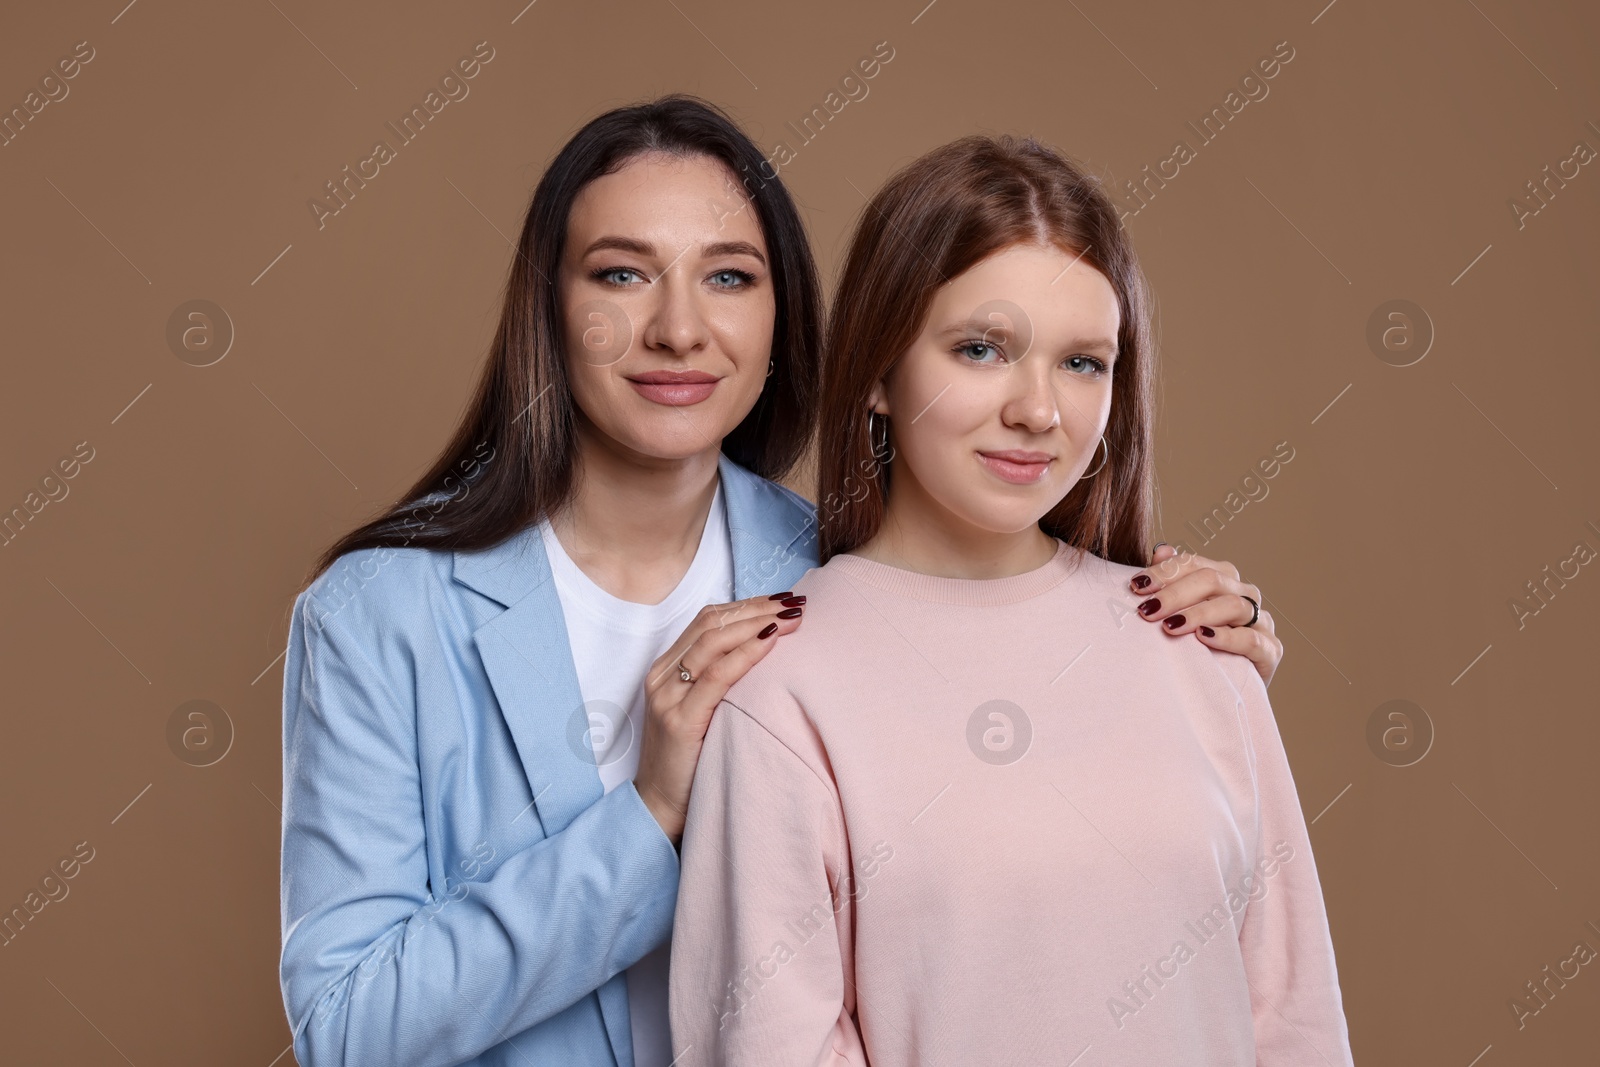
x,y
954,821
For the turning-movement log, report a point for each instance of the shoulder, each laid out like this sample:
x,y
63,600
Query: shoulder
x,y
381,640
766,698
763,505
771,719
1225,676
763,695
1243,680
1103,573
380,595
354,639
798,505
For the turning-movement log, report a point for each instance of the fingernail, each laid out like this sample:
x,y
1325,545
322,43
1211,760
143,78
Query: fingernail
x,y
790,613
768,630
1208,631
1172,622
1140,581
794,601
1158,545
1150,607
780,596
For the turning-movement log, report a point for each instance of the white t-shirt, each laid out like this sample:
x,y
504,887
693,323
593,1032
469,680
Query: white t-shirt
x,y
614,642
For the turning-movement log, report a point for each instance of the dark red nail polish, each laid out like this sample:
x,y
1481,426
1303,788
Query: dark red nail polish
x,y
1140,581
794,601
790,613
1150,607
1208,631
768,630
780,596
1172,622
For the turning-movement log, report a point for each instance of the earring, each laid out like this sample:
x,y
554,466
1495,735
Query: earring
x,y
1091,474
878,451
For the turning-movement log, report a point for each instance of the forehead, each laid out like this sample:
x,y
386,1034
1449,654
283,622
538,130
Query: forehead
x,y
671,201
1059,292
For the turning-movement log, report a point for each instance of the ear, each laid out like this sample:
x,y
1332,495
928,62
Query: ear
x,y
878,399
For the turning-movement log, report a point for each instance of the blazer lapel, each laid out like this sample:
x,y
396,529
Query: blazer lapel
x,y
528,659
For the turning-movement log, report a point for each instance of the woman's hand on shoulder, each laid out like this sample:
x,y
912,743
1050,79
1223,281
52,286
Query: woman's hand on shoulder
x,y
1192,594
722,643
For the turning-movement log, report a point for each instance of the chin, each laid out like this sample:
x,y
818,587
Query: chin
x,y
682,435
1005,517
684,445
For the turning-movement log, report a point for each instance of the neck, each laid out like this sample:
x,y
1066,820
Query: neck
x,y
634,522
920,534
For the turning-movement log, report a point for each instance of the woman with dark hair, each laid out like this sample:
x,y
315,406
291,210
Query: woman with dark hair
x,y
968,814
495,693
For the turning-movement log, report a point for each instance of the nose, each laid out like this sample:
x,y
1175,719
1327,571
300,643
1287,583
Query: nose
x,y
677,323
1033,403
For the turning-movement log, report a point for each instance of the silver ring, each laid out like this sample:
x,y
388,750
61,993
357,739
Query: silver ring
x,y
683,672
1255,610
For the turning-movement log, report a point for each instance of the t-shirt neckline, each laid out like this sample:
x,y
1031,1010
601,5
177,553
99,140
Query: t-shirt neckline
x,y
630,614
970,591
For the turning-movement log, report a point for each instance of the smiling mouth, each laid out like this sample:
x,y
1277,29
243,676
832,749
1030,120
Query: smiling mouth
x,y
674,388
1018,468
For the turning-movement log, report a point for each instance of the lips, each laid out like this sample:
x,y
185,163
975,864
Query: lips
x,y
674,388
1016,466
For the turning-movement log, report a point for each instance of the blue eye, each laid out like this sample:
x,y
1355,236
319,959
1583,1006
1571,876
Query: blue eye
x,y
617,275
1096,367
732,279
976,350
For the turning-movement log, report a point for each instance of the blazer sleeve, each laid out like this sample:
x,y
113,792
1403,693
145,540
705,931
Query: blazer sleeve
x,y
762,963
379,964
1284,938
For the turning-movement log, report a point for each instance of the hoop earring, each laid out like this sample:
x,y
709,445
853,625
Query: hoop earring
x,y
872,437
1097,470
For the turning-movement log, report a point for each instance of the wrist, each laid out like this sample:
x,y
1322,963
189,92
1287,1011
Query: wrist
x,y
666,816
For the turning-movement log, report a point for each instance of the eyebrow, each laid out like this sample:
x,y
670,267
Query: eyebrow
x,y
645,248
979,327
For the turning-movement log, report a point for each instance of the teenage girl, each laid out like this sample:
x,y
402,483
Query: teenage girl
x,y
971,813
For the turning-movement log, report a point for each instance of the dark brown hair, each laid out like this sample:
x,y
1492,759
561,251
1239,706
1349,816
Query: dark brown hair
x,y
934,219
512,457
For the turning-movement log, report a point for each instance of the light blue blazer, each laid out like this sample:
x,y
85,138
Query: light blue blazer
x,y
457,886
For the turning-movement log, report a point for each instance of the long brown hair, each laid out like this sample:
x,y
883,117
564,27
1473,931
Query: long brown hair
x,y
513,455
934,219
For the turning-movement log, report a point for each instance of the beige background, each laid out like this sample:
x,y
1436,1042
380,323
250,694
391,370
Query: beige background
x,y
1419,501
